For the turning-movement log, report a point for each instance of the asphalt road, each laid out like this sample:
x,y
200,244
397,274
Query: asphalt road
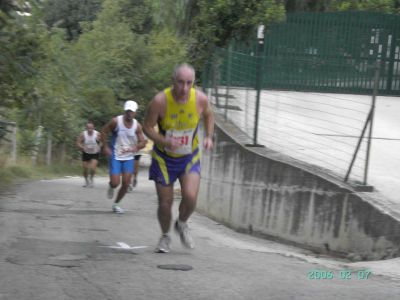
x,y
61,241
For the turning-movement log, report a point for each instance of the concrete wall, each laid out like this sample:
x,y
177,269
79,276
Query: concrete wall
x,y
262,192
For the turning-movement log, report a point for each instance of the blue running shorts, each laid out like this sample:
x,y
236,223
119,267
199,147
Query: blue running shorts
x,y
118,167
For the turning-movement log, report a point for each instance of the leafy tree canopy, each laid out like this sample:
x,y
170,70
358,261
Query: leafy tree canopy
x,y
19,48
219,21
69,14
388,6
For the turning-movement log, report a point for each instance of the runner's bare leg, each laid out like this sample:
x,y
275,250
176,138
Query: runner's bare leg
x,y
190,184
165,199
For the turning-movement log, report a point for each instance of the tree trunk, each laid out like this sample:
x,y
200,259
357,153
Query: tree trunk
x,y
14,144
36,146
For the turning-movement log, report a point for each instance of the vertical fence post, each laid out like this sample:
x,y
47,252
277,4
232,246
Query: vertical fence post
x,y
392,60
228,80
371,124
259,60
215,78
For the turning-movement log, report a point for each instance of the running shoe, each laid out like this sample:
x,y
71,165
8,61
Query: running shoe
x,y
163,244
130,189
184,233
110,192
117,209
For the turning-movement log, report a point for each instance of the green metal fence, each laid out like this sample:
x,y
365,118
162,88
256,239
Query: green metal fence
x,y
331,52
258,86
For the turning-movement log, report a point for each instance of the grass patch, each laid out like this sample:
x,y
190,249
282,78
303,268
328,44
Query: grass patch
x,y
20,172
9,174
25,171
6,176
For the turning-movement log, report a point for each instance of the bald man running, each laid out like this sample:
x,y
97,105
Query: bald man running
x,y
177,111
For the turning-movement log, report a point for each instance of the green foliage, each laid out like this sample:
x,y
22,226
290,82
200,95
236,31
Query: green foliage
x,y
174,15
26,140
3,130
110,62
308,5
387,6
69,15
99,106
18,50
51,103
6,176
136,14
24,170
220,21
113,56
19,171
75,73
166,50
10,173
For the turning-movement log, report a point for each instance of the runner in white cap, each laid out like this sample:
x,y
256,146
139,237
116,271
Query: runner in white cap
x,y
127,139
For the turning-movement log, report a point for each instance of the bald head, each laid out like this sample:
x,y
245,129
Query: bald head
x,y
183,79
183,68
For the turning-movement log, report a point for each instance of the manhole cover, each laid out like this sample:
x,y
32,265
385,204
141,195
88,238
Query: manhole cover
x,y
69,257
66,260
176,267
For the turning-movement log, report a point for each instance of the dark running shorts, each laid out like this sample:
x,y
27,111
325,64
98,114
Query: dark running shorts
x,y
88,157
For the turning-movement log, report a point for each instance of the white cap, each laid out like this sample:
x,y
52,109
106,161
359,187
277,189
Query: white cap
x,y
130,105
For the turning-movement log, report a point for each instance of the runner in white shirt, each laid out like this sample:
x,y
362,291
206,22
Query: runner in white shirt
x,y
127,139
88,142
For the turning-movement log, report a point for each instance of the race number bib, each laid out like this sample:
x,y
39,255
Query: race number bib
x,y
184,138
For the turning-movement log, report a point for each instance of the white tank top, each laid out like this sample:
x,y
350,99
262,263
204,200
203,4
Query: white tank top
x,y
124,139
90,144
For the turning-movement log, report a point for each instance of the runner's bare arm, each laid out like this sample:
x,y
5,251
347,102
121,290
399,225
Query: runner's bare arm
x,y
155,112
79,142
105,131
141,139
98,139
208,116
152,116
